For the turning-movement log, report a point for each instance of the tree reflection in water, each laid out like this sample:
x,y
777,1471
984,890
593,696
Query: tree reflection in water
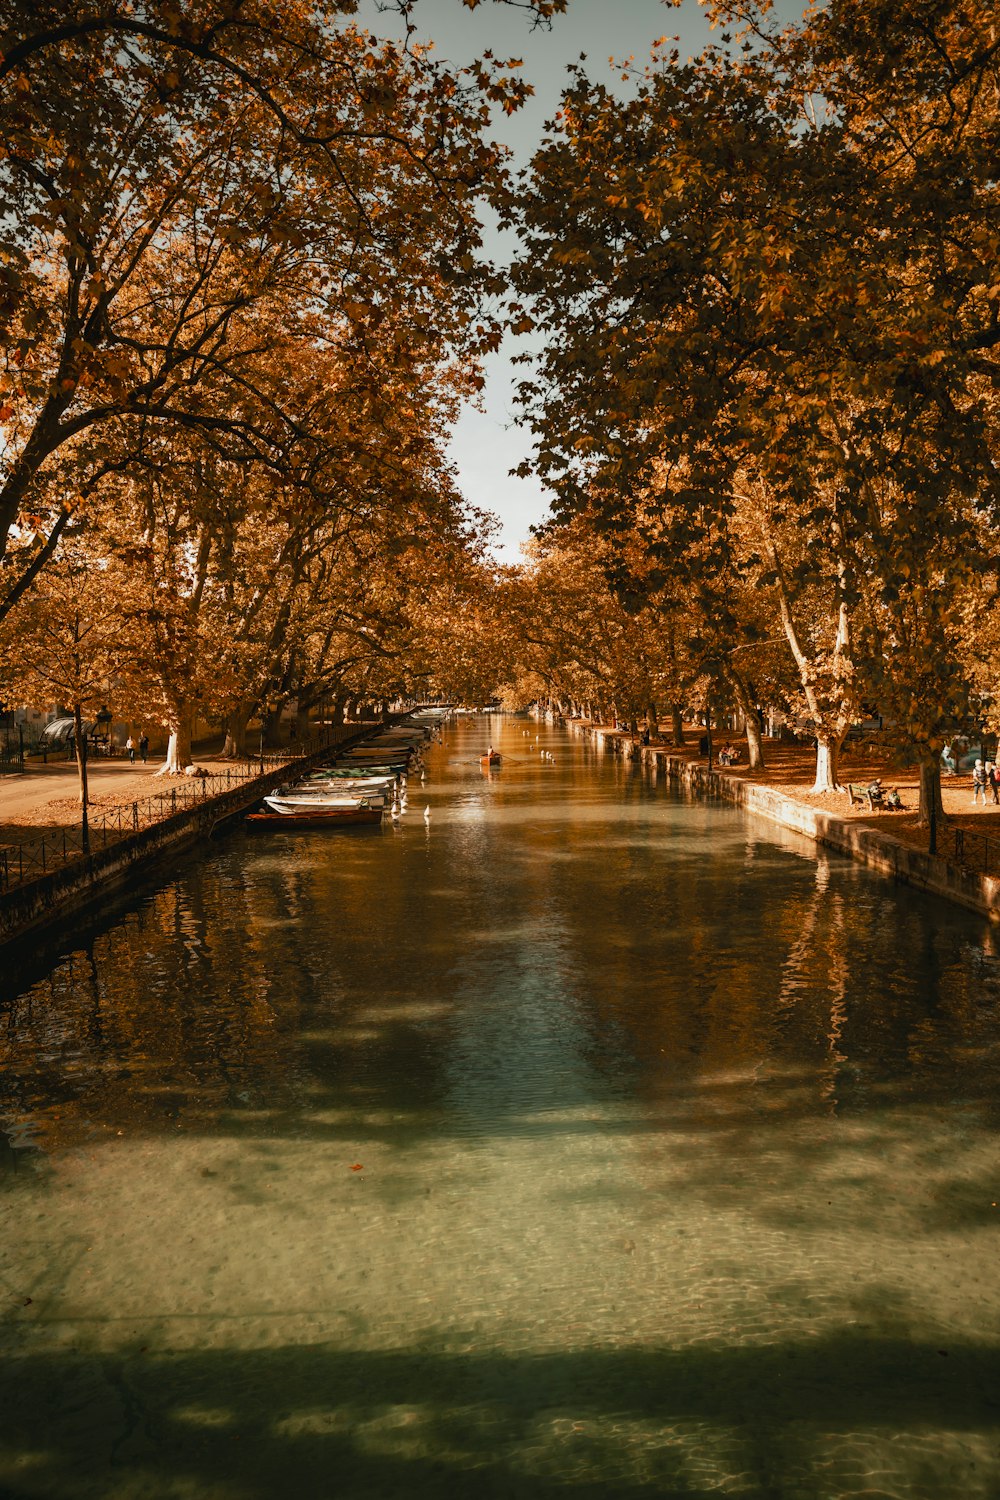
x,y
677,1159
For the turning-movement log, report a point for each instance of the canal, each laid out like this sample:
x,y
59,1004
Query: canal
x,y
576,1141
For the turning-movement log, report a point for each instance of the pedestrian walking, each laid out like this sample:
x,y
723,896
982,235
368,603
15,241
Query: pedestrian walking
x,y
144,746
993,777
979,782
130,747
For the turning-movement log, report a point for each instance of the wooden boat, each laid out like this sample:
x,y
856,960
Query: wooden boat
x,y
344,784
344,789
319,801
330,817
496,759
374,758
384,773
386,756
389,750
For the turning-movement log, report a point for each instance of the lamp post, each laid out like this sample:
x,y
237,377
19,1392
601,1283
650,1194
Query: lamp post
x,y
103,723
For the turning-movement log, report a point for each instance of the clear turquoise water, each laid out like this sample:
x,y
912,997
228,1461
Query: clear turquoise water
x,y
583,1142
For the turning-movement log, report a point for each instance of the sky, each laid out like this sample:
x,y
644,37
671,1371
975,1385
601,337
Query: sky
x,y
486,443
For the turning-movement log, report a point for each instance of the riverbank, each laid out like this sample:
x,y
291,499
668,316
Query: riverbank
x,y
45,797
885,841
577,1142
130,840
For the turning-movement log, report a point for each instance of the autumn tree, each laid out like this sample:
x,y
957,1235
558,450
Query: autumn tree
x,y
68,647
182,184
752,285
566,630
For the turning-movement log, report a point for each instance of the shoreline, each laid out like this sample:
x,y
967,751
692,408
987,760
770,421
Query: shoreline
x,y
878,850
78,886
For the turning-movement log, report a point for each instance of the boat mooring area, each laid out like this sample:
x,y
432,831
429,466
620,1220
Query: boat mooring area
x,y
558,1137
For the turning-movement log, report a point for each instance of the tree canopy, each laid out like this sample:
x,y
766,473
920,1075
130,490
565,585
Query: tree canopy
x,y
244,291
768,286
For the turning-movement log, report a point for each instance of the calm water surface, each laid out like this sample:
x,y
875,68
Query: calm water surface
x,y
583,1142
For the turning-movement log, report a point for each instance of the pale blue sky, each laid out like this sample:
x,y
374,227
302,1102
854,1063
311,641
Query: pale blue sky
x,y
486,443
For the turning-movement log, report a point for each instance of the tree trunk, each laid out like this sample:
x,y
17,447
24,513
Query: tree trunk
x,y
235,747
755,742
81,765
827,758
178,745
652,721
930,794
676,725
302,725
272,726
751,721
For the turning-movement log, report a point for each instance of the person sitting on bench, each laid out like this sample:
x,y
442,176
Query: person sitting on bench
x,y
872,794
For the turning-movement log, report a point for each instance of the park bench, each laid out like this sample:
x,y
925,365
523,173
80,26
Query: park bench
x,y
858,795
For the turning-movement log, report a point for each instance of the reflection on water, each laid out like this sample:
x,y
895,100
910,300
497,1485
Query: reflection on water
x,y
586,1142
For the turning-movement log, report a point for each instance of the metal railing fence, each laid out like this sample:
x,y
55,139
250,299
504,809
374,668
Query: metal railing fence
x,y
28,859
11,755
976,851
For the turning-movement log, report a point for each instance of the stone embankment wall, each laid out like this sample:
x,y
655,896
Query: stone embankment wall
x,y
880,851
27,910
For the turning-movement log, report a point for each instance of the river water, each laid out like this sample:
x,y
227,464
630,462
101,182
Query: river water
x,y
579,1141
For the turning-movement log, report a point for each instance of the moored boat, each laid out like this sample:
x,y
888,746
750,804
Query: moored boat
x,y
386,755
344,784
347,772
320,801
330,817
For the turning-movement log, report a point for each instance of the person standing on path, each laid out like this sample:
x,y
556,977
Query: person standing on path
x,y
979,782
130,747
144,746
993,777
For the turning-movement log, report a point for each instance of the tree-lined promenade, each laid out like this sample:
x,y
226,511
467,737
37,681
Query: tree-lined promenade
x,y
767,400
245,291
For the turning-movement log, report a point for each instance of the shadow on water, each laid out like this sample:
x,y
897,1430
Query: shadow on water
x,y
589,1422
540,1151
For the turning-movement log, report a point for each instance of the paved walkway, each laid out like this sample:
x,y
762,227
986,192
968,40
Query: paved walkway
x,y
48,796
